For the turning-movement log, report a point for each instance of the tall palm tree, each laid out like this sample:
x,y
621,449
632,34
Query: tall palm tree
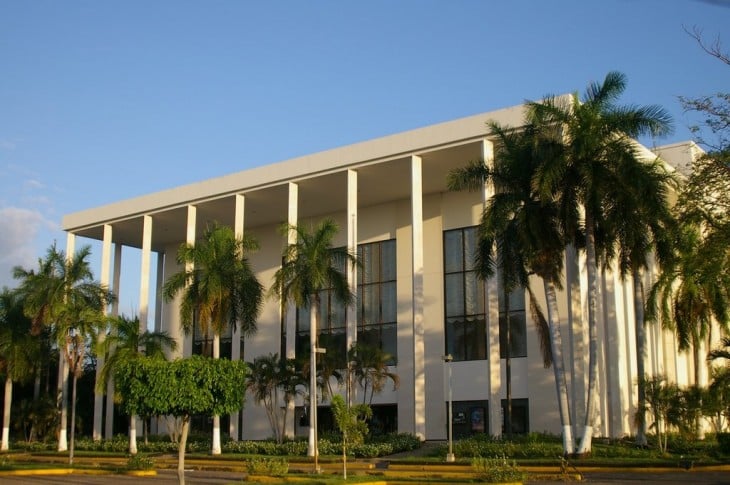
x,y
370,369
19,352
649,229
593,134
522,229
62,290
220,290
76,331
125,342
692,293
309,266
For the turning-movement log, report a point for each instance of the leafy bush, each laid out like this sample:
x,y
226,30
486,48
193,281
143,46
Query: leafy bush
x,y
723,442
274,467
140,462
530,446
497,470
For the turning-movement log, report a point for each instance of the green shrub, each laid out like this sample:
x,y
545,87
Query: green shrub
x,y
497,470
274,467
140,462
723,442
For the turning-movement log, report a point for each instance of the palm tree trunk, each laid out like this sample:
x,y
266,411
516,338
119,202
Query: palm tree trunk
x,y
640,358
37,384
6,412
63,401
592,273
216,446
73,421
181,450
561,386
700,381
313,314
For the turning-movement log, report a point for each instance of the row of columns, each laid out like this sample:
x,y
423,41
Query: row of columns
x,y
292,218
418,395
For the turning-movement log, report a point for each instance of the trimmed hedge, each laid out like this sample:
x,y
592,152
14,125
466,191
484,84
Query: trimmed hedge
x,y
329,445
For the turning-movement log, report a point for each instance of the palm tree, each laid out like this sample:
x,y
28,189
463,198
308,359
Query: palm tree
x,y
270,377
593,134
76,331
522,229
219,290
19,352
692,293
648,229
125,342
62,290
370,369
309,266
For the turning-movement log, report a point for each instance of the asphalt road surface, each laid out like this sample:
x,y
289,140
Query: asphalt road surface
x,y
204,477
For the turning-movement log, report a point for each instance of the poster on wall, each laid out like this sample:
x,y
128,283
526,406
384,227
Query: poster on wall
x,y
477,420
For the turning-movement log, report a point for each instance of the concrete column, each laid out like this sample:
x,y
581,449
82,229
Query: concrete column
x,y
494,362
352,249
291,218
116,277
239,212
159,283
144,281
419,376
106,250
186,344
351,271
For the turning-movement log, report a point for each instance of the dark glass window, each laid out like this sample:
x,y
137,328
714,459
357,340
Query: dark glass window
x,y
466,333
203,344
520,416
469,418
377,309
517,320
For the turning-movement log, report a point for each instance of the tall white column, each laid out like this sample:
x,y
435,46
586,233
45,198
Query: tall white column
x,y
494,361
116,277
159,283
419,376
351,272
144,282
144,295
239,212
106,250
352,249
291,238
186,344
62,368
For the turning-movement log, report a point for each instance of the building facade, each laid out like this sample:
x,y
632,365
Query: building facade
x,y
418,295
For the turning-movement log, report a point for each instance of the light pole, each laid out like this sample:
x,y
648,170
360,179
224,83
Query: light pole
x,y
450,455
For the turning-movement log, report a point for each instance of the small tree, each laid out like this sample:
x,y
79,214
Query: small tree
x,y
270,379
659,397
181,388
352,423
370,368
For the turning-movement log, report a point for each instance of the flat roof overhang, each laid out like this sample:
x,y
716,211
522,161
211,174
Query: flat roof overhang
x,y
382,164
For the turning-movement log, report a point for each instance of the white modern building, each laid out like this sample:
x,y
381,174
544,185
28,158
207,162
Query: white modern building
x,y
418,295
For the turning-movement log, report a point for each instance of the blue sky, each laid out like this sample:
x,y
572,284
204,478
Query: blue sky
x,y
102,101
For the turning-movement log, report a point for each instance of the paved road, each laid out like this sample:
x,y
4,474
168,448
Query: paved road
x,y
168,477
